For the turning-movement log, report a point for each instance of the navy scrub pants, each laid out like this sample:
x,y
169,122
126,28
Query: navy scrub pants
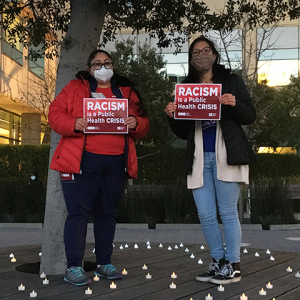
x,y
98,190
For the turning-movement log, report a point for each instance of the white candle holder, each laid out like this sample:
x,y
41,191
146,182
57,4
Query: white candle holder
x,y
96,278
262,292
173,275
21,287
88,291
221,288
172,286
289,269
43,275
33,294
269,286
45,281
209,297
272,258
297,274
148,276
243,297
124,272
144,267
113,286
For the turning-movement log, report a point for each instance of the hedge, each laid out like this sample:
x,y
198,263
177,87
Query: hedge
x,y
157,164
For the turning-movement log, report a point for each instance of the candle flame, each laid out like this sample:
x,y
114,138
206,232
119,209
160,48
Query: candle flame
x,y
124,270
208,295
148,274
243,295
173,273
262,289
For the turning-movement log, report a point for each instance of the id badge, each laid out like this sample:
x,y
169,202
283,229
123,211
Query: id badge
x,y
66,176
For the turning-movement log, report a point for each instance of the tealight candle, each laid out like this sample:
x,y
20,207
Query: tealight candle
x,y
272,258
208,297
121,247
144,267
297,275
88,291
221,288
289,269
21,287
268,252
173,275
113,285
148,276
40,254
13,259
175,247
192,255
148,243
202,247
43,275
245,250
126,246
135,246
124,272
200,262
187,250
94,250
45,281
169,248
160,245
96,278
256,254
172,285
181,245
33,294
243,297
269,286
148,247
11,255
262,292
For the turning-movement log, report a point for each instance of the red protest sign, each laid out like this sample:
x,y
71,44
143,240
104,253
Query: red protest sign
x,y
198,101
105,115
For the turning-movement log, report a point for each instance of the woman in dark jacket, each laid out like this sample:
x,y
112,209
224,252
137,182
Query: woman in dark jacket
x,y
217,159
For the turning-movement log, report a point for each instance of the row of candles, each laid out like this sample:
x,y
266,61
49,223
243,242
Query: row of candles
x,y
262,292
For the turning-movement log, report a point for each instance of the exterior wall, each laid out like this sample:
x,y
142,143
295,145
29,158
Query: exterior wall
x,y
18,87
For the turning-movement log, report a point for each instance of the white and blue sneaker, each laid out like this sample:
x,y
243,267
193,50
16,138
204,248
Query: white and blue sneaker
x,y
75,276
108,271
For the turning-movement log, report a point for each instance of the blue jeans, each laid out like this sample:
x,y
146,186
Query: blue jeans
x,y
224,195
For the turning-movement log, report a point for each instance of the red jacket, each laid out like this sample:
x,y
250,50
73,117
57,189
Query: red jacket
x,y
63,112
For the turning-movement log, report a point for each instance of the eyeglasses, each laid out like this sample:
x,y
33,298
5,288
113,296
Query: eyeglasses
x,y
97,65
206,50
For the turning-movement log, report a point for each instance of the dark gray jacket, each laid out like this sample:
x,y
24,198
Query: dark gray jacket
x,y
239,150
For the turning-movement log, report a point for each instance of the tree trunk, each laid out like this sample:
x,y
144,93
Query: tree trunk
x,y
82,38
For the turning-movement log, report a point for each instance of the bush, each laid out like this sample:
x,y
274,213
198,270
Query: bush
x,y
270,202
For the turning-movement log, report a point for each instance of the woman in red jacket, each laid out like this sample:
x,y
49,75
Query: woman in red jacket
x,y
94,167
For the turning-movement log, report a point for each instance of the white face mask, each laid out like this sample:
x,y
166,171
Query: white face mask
x,y
103,74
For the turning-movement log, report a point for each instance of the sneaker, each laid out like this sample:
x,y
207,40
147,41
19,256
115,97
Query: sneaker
x,y
75,276
229,272
108,271
213,268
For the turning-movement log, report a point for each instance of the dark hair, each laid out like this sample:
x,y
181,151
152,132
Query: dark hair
x,y
218,70
94,53
117,79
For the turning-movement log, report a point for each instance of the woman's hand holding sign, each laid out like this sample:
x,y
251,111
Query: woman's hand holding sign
x,y
131,122
170,108
80,124
228,99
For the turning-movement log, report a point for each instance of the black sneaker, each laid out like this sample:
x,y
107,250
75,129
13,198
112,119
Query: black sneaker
x,y
75,276
108,271
213,268
228,273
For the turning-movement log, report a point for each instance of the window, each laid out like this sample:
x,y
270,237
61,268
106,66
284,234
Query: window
x,y
10,125
37,67
280,55
15,53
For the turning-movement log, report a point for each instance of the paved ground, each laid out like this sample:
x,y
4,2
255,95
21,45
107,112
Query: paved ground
x,y
277,240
